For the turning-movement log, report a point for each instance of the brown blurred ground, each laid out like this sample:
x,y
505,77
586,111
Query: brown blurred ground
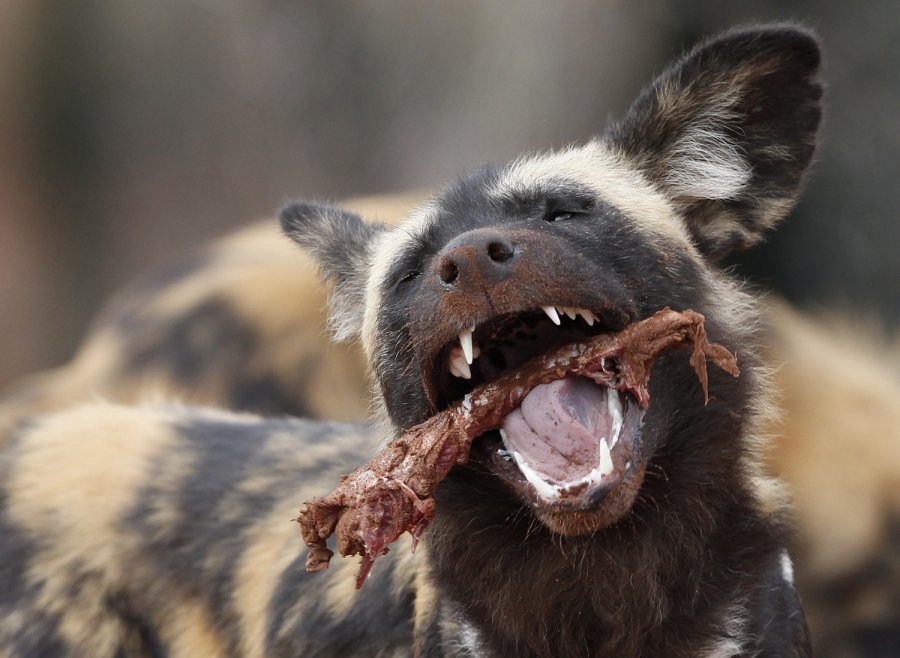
x,y
130,131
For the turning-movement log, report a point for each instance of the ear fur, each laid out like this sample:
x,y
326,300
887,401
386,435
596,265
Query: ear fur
x,y
728,132
339,241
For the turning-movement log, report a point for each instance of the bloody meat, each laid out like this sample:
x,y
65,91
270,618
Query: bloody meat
x,y
394,492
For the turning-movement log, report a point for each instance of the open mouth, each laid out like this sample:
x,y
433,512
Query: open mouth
x,y
570,441
574,488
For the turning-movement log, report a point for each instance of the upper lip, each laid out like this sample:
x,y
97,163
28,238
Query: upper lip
x,y
455,357
460,359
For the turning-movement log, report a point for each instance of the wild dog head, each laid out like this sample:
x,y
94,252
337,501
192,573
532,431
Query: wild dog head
x,y
517,259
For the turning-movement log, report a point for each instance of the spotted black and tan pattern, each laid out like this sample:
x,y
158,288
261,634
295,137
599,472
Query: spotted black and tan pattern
x,y
166,530
238,325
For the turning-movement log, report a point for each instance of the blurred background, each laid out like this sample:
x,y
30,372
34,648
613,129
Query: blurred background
x,y
132,131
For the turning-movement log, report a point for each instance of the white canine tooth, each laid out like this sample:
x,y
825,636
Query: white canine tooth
x,y
606,464
569,311
588,316
614,406
551,313
464,370
465,340
459,367
544,489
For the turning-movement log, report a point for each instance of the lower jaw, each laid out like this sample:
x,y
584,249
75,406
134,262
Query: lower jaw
x,y
573,515
613,507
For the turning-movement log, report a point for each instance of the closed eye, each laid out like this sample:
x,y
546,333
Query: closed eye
x,y
409,276
561,215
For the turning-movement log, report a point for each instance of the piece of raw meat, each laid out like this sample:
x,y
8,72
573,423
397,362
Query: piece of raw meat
x,y
394,492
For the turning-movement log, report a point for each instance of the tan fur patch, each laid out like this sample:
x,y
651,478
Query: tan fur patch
x,y
427,607
78,460
273,542
189,632
840,449
388,208
74,481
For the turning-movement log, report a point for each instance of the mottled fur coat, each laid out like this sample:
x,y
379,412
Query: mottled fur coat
x,y
165,530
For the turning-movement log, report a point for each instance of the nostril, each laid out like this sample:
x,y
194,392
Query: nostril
x,y
474,259
448,270
500,251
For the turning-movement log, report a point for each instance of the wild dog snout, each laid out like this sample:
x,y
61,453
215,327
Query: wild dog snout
x,y
477,259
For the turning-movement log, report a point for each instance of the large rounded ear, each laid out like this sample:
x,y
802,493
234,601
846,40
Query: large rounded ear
x,y
340,242
728,132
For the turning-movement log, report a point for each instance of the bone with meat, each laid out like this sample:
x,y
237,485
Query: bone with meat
x,y
394,492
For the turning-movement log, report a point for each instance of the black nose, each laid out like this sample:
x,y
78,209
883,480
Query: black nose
x,y
482,256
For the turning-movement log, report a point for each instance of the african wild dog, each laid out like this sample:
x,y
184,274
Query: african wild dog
x,y
237,324
164,530
847,572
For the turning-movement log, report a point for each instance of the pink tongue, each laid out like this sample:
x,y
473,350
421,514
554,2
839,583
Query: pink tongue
x,y
558,427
